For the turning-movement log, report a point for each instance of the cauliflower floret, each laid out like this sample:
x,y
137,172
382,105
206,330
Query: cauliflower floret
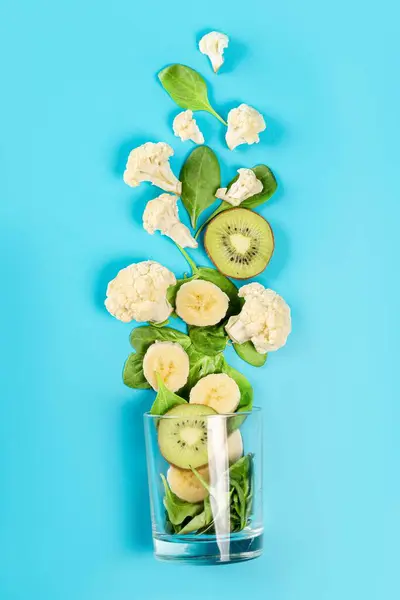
x,y
150,162
245,186
162,214
244,125
186,128
138,293
264,319
213,45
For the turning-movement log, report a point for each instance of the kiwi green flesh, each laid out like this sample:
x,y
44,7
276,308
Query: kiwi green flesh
x,y
183,438
239,242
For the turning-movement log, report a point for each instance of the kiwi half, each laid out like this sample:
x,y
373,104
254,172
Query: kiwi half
x,y
239,242
182,435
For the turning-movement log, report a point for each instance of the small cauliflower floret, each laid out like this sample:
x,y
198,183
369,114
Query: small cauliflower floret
x,y
245,186
264,319
150,162
213,45
244,125
161,214
138,293
186,128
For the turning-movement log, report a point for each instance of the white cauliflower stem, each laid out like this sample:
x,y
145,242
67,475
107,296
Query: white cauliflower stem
x,y
150,162
162,214
244,125
246,186
186,128
213,45
264,319
138,293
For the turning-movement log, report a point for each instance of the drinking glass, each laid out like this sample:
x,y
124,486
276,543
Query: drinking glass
x,y
227,525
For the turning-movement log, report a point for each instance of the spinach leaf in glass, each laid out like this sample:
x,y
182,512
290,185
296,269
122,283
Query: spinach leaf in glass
x,y
241,482
199,521
241,469
241,504
178,510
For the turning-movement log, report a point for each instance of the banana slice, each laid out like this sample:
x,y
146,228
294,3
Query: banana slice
x,y
170,361
185,484
219,391
235,446
201,303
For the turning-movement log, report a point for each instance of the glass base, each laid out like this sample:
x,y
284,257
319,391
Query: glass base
x,y
206,550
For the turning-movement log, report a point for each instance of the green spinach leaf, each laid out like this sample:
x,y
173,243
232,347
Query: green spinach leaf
x,y
236,503
240,476
187,88
142,337
165,399
209,340
174,289
201,520
241,502
249,505
162,324
179,513
178,510
241,469
270,185
133,375
267,178
201,365
246,390
249,354
194,524
200,177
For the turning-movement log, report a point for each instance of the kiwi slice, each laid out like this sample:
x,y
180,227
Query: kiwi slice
x,y
239,242
183,437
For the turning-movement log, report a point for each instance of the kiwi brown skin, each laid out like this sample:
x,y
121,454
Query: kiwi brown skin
x,y
211,258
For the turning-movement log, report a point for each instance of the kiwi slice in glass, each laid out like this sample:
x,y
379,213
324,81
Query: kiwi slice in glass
x,y
182,435
239,242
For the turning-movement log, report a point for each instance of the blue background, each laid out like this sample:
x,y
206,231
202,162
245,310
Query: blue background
x,y
78,92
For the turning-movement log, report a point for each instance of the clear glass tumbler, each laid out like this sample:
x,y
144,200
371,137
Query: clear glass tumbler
x,y
211,514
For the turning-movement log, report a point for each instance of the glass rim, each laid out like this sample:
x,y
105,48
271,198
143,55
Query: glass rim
x,y
245,413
